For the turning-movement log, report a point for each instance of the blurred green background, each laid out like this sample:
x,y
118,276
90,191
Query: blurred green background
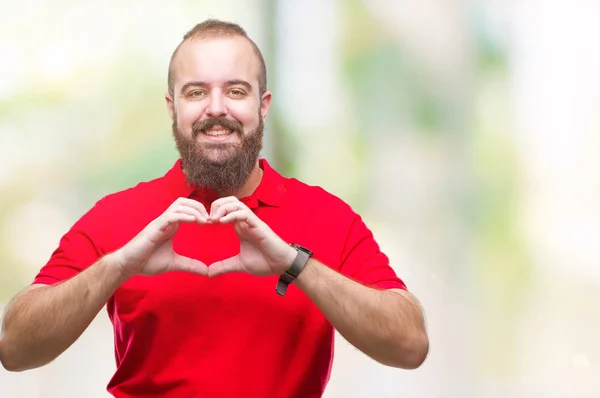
x,y
465,132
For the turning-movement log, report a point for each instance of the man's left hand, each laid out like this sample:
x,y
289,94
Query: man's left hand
x,y
262,252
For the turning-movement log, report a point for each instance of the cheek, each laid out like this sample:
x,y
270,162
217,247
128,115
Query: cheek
x,y
187,115
246,114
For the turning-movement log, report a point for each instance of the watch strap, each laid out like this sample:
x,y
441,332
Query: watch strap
x,y
302,257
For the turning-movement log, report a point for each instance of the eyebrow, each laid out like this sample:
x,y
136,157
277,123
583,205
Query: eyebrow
x,y
234,82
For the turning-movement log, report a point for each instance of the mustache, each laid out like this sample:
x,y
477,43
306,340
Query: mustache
x,y
202,126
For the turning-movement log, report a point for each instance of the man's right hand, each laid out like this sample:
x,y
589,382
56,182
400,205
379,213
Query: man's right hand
x,y
151,251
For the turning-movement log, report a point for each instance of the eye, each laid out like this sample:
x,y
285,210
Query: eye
x,y
196,94
236,92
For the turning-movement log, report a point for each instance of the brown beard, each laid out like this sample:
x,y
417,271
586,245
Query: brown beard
x,y
228,168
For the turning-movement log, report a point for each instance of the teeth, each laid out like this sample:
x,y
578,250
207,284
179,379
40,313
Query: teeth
x,y
218,132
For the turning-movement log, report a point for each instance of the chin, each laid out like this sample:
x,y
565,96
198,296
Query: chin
x,y
218,156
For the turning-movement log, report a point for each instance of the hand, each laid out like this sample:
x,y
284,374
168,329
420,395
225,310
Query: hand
x,y
151,251
262,252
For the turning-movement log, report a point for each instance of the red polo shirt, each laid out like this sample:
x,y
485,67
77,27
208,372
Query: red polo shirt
x,y
184,335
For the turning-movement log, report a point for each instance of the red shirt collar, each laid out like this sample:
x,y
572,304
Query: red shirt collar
x,y
269,192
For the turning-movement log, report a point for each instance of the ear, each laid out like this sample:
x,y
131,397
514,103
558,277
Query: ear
x,y
265,104
170,105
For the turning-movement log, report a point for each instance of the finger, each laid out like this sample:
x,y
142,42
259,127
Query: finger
x,y
176,218
186,264
214,207
226,209
231,264
194,212
194,204
238,216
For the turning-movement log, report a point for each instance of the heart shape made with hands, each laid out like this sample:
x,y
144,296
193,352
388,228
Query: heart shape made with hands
x,y
262,251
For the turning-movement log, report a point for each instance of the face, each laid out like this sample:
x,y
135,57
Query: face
x,y
217,111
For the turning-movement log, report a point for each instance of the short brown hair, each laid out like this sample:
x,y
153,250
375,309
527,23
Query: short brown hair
x,y
216,28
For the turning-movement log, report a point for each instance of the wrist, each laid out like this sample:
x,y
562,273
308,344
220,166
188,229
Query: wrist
x,y
308,273
115,265
289,259
301,256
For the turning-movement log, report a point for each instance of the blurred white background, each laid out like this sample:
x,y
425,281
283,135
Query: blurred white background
x,y
465,132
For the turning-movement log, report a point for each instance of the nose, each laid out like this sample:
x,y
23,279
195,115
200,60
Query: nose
x,y
216,106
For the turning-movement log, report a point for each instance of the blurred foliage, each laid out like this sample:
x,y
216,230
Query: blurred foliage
x,y
502,267
387,87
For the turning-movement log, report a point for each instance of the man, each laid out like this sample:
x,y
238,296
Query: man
x,y
222,278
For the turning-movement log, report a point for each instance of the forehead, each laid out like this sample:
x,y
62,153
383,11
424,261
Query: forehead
x,y
216,61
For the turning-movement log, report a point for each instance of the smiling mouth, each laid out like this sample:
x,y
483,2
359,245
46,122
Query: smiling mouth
x,y
217,132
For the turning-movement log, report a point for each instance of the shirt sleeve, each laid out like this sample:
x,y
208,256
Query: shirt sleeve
x,y
79,248
364,262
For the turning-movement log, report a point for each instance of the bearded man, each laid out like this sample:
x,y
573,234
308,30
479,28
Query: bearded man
x,y
222,278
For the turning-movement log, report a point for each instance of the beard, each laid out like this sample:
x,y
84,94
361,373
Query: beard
x,y
222,167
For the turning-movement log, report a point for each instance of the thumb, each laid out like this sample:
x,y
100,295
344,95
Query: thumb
x,y
186,264
231,264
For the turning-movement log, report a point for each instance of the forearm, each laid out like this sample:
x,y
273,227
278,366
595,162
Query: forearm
x,y
43,322
388,326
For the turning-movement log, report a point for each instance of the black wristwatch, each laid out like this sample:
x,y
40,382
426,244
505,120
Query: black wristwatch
x,y
292,273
